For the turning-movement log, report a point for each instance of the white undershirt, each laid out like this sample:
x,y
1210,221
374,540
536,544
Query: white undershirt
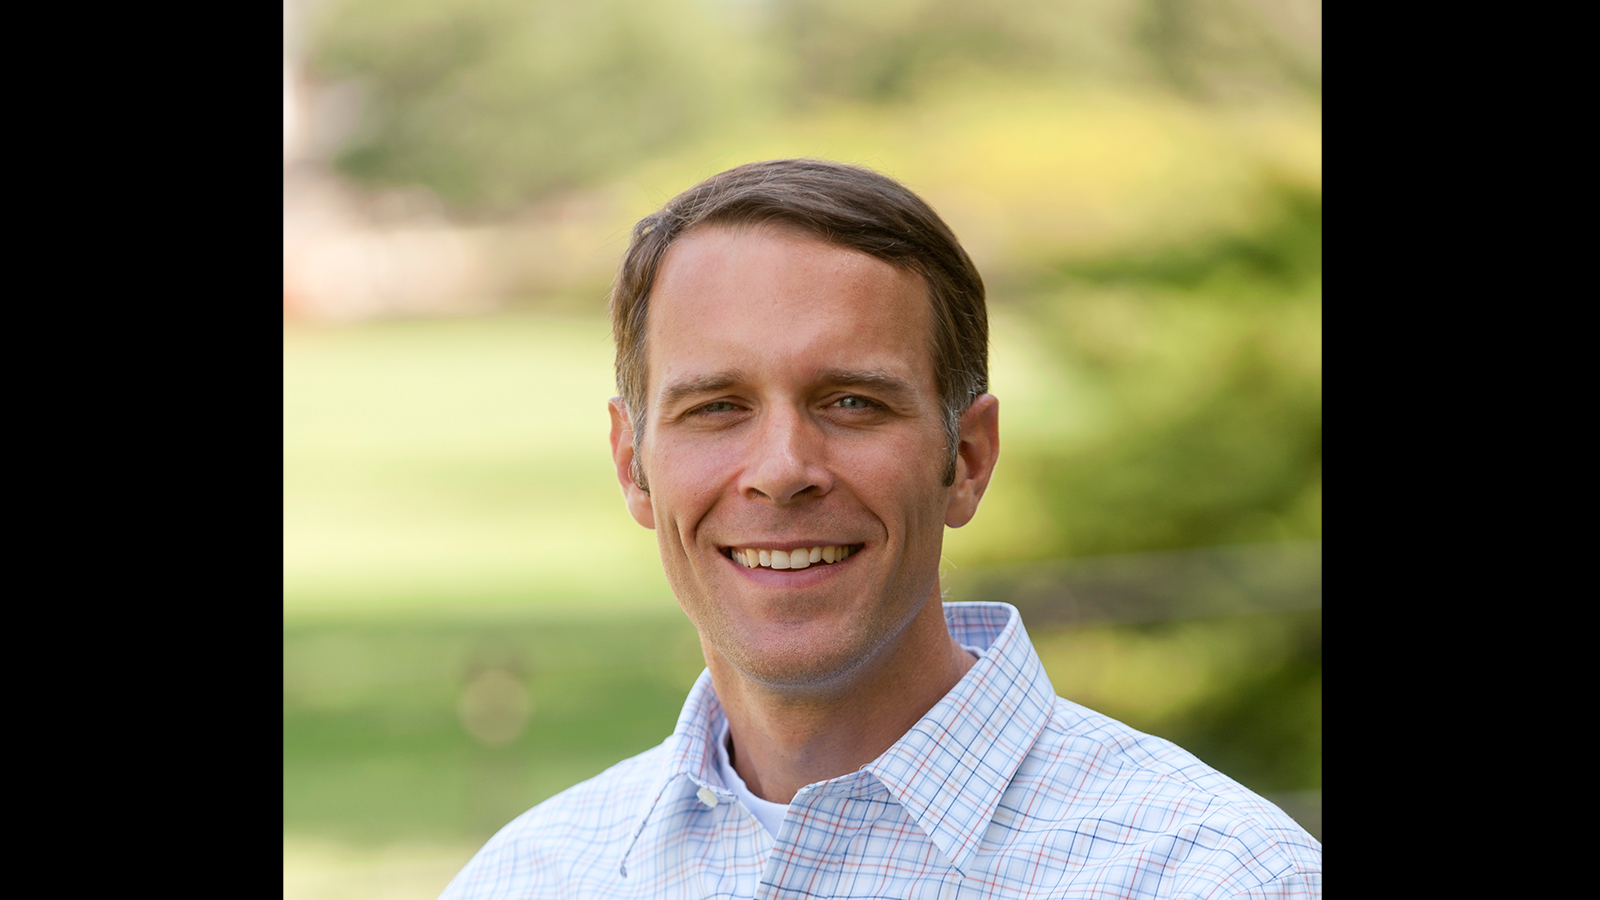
x,y
769,814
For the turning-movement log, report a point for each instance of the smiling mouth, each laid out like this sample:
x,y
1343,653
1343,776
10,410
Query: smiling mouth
x,y
798,558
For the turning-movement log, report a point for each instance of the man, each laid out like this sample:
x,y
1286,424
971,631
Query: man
x,y
802,358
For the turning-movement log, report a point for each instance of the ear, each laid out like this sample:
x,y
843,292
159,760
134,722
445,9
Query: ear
x,y
976,454
622,455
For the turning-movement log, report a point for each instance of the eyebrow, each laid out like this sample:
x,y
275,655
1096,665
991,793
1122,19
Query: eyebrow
x,y
896,388
673,393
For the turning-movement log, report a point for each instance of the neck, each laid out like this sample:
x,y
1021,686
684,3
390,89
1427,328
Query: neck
x,y
783,740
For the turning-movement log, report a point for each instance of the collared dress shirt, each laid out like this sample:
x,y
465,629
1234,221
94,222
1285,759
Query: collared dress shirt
x,y
1003,790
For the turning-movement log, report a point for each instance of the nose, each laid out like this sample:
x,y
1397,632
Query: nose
x,y
785,462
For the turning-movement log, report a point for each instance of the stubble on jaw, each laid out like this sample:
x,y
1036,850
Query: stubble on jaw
x,y
820,670
818,667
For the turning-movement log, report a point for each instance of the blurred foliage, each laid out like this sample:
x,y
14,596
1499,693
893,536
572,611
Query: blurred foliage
x,y
1237,457
1211,48
1243,693
1282,252
1199,367
494,103
893,51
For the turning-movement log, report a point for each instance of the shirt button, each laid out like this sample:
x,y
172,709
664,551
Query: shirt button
x,y
706,797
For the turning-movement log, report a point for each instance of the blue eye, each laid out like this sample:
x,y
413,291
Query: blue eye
x,y
719,406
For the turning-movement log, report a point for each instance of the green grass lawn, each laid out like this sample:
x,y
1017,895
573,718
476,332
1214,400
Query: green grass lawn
x,y
374,747
455,467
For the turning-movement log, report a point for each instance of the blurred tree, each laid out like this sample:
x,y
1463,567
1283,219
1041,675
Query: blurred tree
x,y
1214,48
1237,467
1230,450
1265,727
892,51
493,103
1282,254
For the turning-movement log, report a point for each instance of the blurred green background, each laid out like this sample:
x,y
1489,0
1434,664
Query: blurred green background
x,y
472,622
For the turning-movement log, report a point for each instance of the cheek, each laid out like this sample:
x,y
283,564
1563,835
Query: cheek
x,y
904,482
686,479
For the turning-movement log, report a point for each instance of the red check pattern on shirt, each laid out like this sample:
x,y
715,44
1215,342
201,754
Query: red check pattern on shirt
x,y
1003,790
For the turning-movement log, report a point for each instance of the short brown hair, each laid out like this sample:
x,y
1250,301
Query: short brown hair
x,y
846,206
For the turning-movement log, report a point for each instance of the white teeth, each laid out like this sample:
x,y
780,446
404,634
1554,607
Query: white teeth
x,y
799,558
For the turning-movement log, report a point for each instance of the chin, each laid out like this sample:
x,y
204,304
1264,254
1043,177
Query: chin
x,y
796,661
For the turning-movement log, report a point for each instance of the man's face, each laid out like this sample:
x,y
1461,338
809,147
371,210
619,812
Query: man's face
x,y
792,405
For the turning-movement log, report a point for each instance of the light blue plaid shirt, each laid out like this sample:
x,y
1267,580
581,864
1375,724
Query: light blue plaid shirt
x,y
1001,790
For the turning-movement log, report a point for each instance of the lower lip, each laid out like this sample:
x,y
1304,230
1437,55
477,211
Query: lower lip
x,y
791,578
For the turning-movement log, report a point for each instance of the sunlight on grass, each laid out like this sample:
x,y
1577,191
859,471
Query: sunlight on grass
x,y
443,464
328,871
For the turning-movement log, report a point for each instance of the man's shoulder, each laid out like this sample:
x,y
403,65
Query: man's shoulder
x,y
616,793
555,841
1116,793
1104,747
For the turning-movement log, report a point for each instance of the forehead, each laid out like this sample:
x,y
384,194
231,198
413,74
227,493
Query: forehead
x,y
779,302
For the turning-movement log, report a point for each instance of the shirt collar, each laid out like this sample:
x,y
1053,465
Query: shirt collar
x,y
691,753
950,770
